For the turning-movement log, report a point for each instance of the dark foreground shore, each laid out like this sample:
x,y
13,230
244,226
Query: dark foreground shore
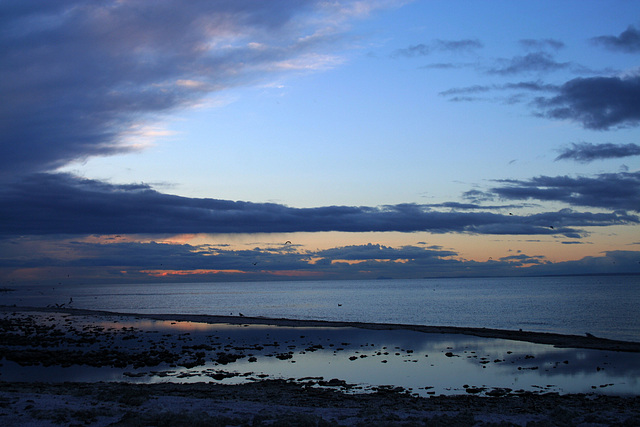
x,y
284,403
142,352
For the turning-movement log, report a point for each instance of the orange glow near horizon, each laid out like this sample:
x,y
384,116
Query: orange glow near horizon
x,y
286,273
295,273
470,247
308,248
165,273
348,261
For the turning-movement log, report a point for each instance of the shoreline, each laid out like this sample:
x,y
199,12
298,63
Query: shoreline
x,y
189,370
554,339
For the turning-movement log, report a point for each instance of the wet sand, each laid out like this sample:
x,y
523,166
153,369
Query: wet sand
x,y
143,357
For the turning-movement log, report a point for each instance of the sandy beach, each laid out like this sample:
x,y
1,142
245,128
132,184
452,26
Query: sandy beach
x,y
80,367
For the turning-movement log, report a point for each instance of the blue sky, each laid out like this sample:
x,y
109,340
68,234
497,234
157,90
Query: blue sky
x,y
192,141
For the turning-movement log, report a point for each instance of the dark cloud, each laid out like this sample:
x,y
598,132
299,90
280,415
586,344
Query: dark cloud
x,y
615,191
471,206
611,262
566,222
585,152
628,41
65,204
475,89
537,44
444,66
534,86
478,196
458,45
141,257
76,76
414,50
531,62
466,99
423,49
569,217
381,252
596,103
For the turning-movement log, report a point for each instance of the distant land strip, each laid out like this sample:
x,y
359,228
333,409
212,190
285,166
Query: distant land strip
x,y
557,340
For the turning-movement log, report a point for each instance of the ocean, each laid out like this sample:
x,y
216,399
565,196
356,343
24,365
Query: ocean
x,y
605,306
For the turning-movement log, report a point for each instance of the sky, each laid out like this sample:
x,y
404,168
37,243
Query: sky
x,y
149,141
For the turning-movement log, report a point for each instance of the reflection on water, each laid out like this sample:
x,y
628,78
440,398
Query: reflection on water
x,y
424,363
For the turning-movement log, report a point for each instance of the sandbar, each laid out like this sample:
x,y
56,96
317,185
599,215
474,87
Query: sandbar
x,y
558,340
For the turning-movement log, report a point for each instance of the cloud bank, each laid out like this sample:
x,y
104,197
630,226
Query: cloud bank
x,y
585,152
628,41
425,49
607,191
598,103
123,262
531,62
65,204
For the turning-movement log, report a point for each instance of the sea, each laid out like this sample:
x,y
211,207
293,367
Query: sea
x,y
604,306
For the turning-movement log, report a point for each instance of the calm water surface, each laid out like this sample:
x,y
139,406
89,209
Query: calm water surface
x,y
422,363
605,306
